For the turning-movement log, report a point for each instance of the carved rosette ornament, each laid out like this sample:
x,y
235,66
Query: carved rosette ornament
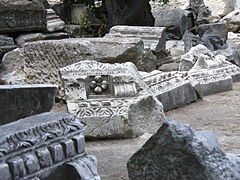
x,y
98,85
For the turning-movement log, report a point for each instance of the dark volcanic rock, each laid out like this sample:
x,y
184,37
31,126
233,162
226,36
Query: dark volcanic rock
x,y
180,152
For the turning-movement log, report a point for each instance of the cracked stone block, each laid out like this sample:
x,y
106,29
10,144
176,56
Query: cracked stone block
x,y
153,38
111,100
19,101
171,88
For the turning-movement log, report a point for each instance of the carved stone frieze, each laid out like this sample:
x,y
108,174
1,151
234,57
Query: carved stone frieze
x,y
37,146
109,99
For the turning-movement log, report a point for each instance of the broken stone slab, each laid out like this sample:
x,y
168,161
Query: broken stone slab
x,y
153,38
19,101
208,82
31,37
171,88
6,45
38,146
210,77
178,151
174,20
208,59
111,100
39,62
233,21
21,16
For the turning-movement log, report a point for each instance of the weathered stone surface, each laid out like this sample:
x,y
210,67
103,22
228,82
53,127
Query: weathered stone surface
x,y
234,38
19,101
31,37
6,45
26,148
154,38
190,58
213,35
22,15
174,20
232,53
190,40
176,47
171,89
177,151
111,99
233,21
132,13
54,23
200,11
220,7
39,62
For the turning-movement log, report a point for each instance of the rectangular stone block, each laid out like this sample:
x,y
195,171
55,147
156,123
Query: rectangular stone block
x,y
21,15
19,101
17,168
5,172
31,162
44,157
69,148
79,142
153,38
57,153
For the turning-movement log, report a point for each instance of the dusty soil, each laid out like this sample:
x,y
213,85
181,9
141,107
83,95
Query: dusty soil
x,y
219,113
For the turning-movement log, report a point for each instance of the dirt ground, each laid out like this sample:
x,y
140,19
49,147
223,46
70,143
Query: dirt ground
x,y
219,113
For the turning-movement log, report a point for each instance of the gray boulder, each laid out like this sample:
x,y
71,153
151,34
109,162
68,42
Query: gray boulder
x,y
20,101
174,20
178,151
39,62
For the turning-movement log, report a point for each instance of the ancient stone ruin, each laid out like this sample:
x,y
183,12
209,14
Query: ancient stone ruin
x,y
117,85
37,146
111,100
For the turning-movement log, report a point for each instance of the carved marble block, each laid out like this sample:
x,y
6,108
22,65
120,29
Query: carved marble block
x,y
154,38
111,99
22,15
42,146
171,88
20,101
